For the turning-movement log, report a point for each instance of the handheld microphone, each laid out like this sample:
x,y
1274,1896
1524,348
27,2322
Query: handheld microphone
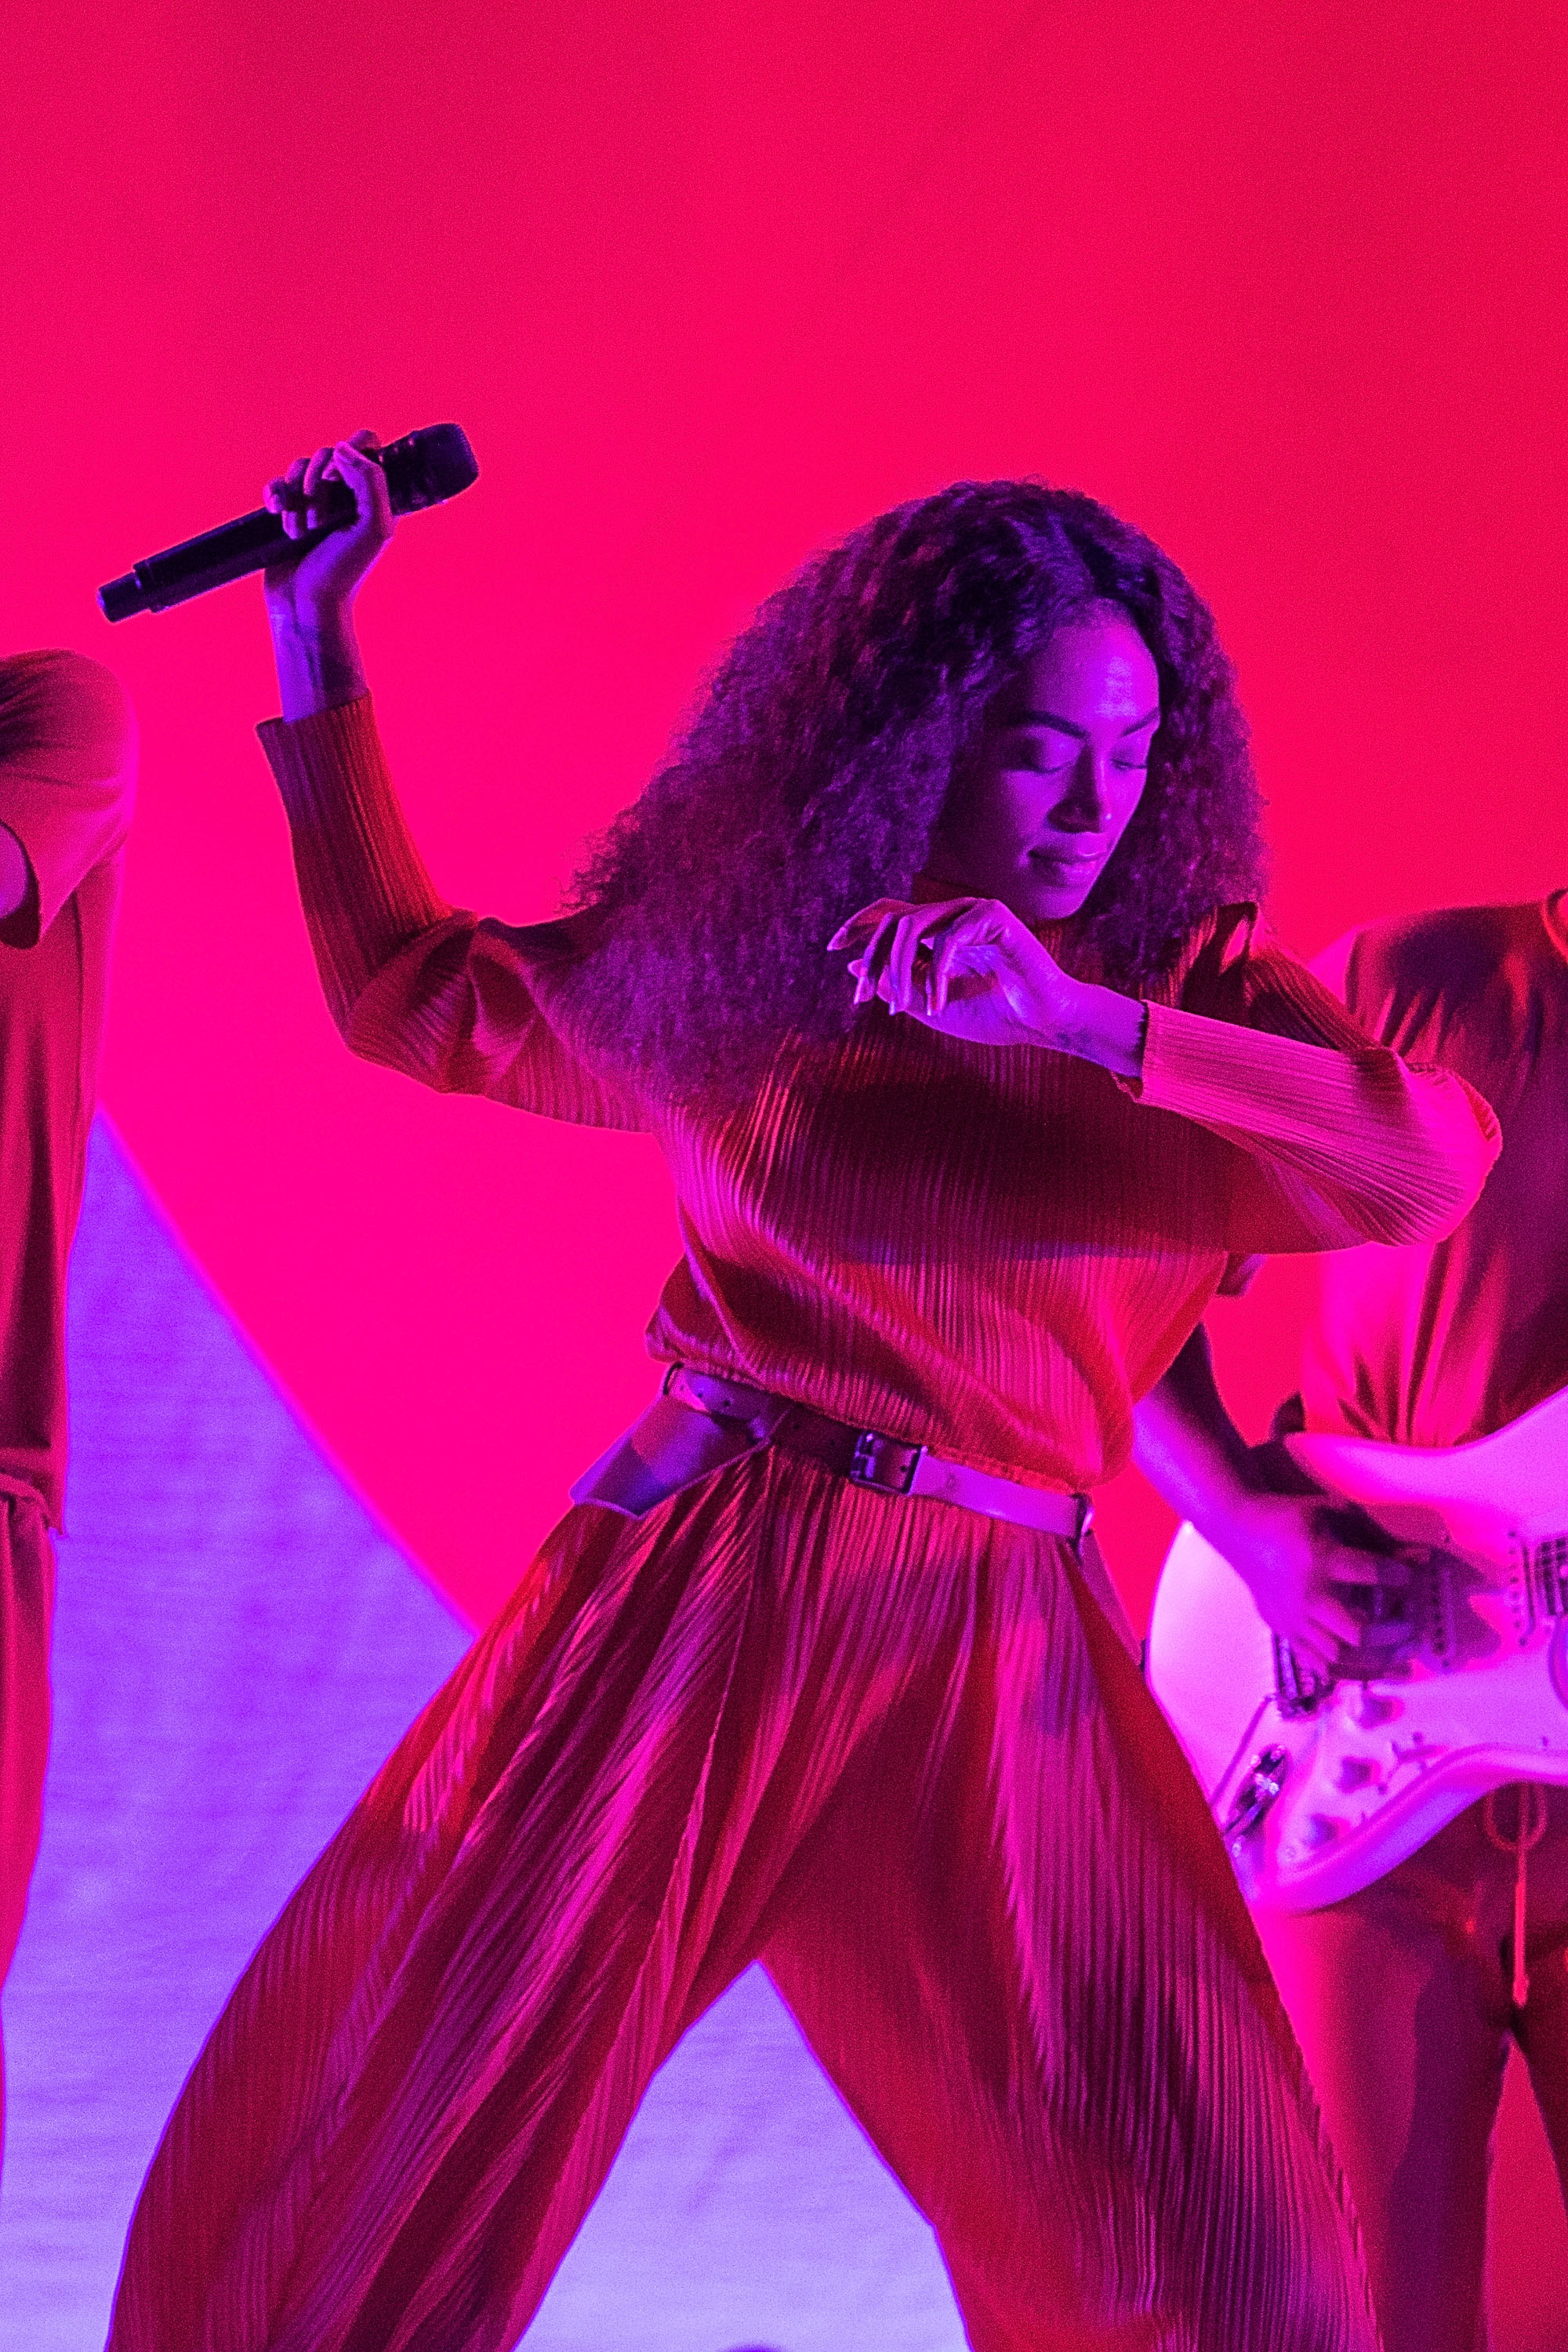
x,y
423,469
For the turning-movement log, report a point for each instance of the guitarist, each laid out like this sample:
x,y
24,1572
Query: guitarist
x,y
1405,1996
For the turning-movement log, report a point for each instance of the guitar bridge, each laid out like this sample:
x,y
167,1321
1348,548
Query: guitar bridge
x,y
1298,1690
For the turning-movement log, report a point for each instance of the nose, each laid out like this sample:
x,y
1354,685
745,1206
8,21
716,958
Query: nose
x,y
1087,806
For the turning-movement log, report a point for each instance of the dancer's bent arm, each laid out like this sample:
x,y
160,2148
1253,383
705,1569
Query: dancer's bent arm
x,y
1339,1141
424,987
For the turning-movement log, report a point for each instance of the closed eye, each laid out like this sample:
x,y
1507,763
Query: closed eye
x,y
1034,764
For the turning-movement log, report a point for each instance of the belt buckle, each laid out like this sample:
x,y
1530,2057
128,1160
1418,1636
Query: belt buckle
x,y
885,1463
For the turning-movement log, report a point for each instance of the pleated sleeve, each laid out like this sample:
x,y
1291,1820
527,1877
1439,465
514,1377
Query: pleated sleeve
x,y
447,997
1339,1141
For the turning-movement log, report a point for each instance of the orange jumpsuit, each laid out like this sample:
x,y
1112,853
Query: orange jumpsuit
x,y
67,772
899,1751
1402,1995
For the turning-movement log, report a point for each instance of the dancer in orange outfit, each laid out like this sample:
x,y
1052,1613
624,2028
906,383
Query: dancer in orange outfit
x,y
824,1668
66,775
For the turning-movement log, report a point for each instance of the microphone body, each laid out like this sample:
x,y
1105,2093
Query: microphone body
x,y
423,469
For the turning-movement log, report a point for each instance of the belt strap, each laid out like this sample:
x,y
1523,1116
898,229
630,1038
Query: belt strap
x,y
867,1458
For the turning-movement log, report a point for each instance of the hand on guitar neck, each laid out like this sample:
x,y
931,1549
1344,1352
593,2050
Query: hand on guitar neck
x,y
1320,1573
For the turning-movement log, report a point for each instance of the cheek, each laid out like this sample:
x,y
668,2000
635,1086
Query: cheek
x,y
1128,800
995,816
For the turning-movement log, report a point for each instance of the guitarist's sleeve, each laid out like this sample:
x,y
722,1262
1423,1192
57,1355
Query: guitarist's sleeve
x,y
1338,1141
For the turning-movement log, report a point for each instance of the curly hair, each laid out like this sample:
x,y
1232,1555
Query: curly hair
x,y
813,773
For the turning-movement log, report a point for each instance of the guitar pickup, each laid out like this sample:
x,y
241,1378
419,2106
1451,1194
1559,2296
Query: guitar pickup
x,y
1265,1779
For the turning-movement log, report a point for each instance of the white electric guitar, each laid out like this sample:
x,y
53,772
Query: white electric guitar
x,y
1319,1788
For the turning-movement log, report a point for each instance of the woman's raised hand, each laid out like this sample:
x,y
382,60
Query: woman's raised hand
x,y
310,601
329,577
971,968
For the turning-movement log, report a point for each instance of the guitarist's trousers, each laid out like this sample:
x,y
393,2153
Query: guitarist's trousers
x,y
891,1748
1402,1995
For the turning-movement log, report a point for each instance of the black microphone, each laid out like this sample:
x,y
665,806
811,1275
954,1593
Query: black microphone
x,y
423,469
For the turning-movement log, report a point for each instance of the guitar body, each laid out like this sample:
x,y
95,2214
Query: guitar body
x,y
1319,1792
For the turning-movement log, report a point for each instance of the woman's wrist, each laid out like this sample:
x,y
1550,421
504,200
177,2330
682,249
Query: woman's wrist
x,y
1102,1025
318,657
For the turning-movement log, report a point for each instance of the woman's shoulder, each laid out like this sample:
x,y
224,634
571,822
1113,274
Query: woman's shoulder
x,y
1214,955
58,701
555,948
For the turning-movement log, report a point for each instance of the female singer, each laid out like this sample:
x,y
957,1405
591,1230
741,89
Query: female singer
x,y
824,1668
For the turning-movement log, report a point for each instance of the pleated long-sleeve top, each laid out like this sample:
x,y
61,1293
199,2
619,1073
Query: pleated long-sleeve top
x,y
989,1250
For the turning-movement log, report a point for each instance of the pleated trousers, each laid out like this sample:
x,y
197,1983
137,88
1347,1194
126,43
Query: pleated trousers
x,y
892,1749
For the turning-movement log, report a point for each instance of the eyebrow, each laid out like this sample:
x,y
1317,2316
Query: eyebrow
x,y
1068,727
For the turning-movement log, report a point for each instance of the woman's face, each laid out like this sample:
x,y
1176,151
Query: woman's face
x,y
1063,760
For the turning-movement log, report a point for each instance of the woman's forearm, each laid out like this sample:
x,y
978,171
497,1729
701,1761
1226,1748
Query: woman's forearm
x,y
1364,1147
318,657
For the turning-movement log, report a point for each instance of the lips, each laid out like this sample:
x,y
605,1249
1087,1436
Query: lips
x,y
1068,858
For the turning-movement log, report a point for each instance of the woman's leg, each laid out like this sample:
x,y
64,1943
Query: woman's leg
x,y
420,2083
421,2080
1016,1943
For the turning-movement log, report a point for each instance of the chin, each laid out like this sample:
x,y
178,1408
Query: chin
x,y
1041,902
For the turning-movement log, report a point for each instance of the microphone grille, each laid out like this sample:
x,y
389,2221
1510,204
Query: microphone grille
x,y
425,468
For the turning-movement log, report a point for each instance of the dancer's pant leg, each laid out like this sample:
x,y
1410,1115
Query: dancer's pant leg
x,y
27,1619
421,2081
1019,1951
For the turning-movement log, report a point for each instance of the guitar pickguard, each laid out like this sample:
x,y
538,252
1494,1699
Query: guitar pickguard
x,y
1323,1788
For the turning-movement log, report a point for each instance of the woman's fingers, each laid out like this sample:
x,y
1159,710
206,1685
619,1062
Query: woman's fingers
x,y
906,991
293,495
948,949
356,466
908,955
316,469
285,496
958,937
864,919
324,574
869,965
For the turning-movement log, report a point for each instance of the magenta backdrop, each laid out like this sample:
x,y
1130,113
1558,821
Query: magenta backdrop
x,y
706,285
